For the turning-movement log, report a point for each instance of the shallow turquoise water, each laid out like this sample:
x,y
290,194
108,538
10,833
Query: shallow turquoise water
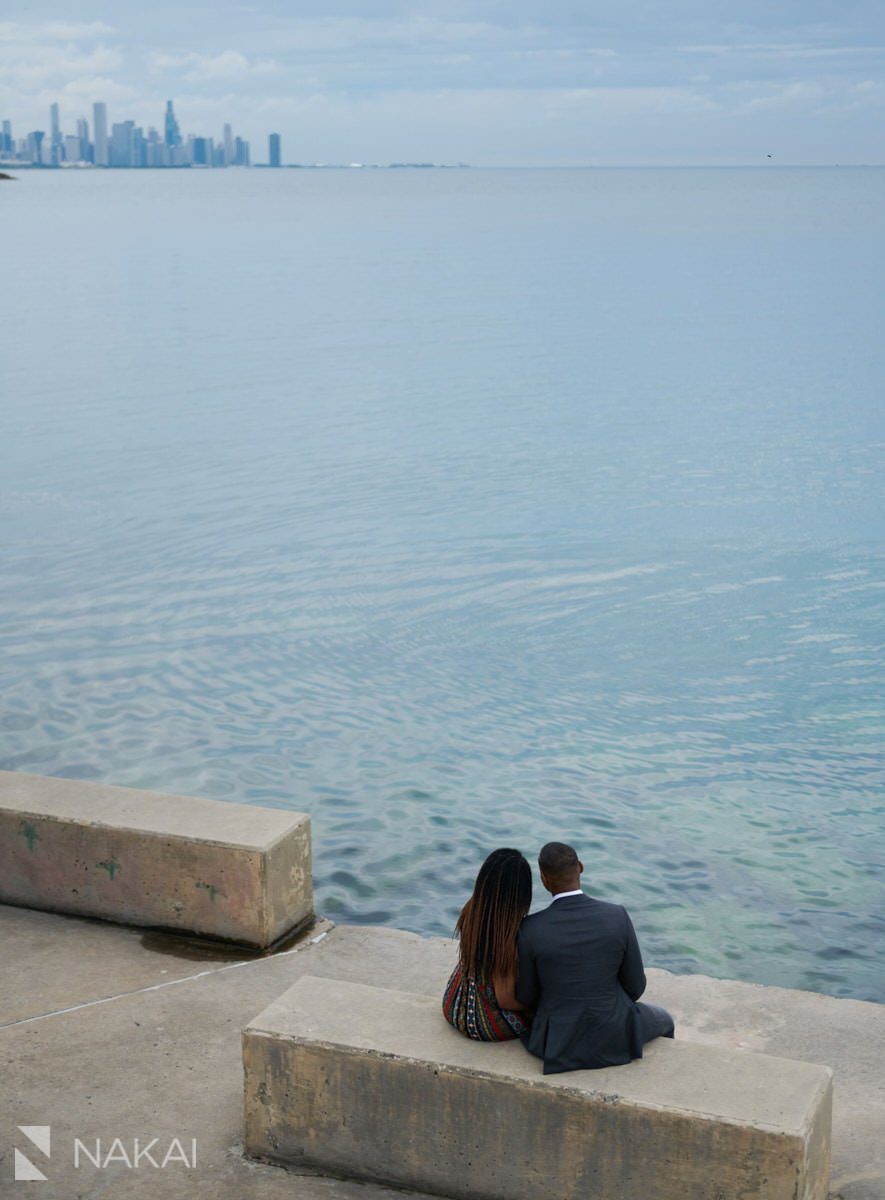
x,y
464,509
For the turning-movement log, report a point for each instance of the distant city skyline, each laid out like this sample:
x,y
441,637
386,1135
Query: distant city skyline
x,y
537,82
126,144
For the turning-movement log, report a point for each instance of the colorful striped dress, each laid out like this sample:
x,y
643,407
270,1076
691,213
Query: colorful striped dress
x,y
470,1005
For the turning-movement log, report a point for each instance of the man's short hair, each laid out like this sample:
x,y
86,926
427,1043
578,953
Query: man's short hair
x,y
558,861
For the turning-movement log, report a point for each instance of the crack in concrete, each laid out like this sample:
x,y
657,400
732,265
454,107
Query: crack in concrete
x,y
166,983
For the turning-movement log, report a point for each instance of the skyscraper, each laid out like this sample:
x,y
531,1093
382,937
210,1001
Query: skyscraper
x,y
123,145
55,143
35,146
202,151
100,130
85,144
173,133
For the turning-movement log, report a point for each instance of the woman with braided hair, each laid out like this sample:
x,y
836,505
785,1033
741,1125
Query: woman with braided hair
x,y
480,997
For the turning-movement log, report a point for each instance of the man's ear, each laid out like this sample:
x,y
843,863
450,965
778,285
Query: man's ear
x,y
580,867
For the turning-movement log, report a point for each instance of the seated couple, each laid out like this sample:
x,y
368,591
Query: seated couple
x,y
566,981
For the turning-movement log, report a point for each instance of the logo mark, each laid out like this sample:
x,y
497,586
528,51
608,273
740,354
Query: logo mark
x,y
38,1135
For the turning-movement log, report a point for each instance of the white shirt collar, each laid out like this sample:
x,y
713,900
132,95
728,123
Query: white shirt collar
x,y
562,895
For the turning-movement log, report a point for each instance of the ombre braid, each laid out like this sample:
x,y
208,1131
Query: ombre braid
x,y
490,920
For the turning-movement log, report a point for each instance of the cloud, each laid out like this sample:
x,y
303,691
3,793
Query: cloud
x,y
783,50
88,88
47,64
42,61
42,31
199,68
870,87
796,96
399,41
65,61
346,33
630,101
868,93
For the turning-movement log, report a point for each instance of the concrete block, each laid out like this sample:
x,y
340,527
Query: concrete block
x,y
231,871
373,1084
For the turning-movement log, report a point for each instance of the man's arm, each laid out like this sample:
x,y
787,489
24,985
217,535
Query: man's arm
x,y
632,975
528,987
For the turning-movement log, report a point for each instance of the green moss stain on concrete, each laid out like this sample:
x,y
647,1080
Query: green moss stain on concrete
x,y
29,832
212,890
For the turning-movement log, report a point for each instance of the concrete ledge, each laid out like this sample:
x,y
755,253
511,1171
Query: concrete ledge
x,y
373,1084
231,871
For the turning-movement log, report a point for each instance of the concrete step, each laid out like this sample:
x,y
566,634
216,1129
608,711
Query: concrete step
x,y
184,863
372,1083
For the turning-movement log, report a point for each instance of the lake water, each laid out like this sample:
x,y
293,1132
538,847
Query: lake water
x,y
468,508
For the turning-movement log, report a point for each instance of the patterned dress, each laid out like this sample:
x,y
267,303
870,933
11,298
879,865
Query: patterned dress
x,y
470,1005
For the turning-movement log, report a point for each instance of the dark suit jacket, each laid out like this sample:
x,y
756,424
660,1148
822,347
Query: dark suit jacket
x,y
581,970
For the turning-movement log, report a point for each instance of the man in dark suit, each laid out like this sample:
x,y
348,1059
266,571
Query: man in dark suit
x,y
580,969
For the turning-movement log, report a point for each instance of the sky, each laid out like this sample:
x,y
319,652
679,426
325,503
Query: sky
x,y
492,82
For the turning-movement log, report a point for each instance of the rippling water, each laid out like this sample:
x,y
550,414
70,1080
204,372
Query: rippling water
x,y
464,509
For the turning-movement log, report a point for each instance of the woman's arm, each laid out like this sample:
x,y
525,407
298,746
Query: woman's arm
x,y
505,991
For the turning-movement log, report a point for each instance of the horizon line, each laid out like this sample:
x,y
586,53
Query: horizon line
x,y
450,166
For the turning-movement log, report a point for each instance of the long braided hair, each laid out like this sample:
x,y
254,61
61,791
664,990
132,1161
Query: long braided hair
x,y
490,920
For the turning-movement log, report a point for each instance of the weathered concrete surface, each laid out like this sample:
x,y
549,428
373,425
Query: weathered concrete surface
x,y
370,1082
146,858
151,1050
155,1050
